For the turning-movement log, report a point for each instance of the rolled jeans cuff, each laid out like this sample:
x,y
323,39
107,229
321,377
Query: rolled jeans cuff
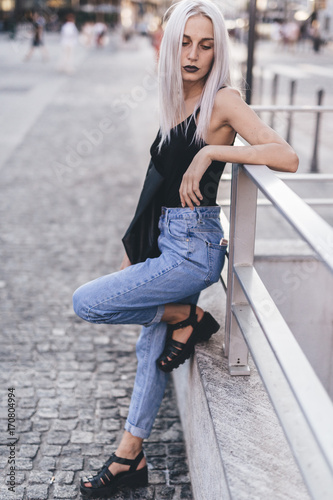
x,y
136,431
158,316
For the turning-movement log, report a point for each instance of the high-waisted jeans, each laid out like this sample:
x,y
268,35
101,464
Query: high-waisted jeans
x,y
192,257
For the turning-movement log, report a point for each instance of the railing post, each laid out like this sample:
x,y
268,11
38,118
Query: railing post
x,y
243,208
274,95
290,117
314,161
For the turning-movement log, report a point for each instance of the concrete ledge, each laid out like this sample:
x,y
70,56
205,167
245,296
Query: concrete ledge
x,y
235,445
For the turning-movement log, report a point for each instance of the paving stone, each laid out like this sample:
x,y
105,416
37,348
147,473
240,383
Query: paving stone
x,y
186,491
65,425
176,449
71,450
47,463
28,450
58,437
23,413
111,424
23,464
108,367
67,412
27,402
47,413
165,492
82,437
30,438
39,477
90,425
62,477
51,450
5,494
45,393
146,493
108,403
93,450
155,450
94,463
86,413
106,413
179,477
66,492
157,477
37,492
105,437
19,477
174,433
24,425
72,464
40,425
157,462
48,403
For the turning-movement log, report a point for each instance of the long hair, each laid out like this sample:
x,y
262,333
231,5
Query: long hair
x,y
171,98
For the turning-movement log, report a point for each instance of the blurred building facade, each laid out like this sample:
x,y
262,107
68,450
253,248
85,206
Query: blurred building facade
x,y
110,11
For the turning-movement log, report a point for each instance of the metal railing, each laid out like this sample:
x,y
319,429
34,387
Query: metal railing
x,y
253,323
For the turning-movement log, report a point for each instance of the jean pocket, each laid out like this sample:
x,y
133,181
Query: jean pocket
x,y
216,258
177,229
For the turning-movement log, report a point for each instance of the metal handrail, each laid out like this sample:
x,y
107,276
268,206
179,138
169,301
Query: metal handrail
x,y
254,322
290,107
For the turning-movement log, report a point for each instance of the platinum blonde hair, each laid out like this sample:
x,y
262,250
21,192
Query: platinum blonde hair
x,y
171,98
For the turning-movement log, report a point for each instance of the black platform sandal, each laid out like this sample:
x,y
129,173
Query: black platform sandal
x,y
104,483
174,352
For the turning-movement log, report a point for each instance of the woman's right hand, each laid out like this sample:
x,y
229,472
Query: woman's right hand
x,y
125,263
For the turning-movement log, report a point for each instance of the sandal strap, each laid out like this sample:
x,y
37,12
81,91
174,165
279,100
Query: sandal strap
x,y
192,320
127,461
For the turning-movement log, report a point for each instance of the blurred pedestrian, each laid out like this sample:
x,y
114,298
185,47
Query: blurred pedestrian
x,y
87,34
175,245
38,24
316,36
68,39
156,39
276,32
290,33
100,31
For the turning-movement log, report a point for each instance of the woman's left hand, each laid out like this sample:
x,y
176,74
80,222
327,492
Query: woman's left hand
x,y
189,191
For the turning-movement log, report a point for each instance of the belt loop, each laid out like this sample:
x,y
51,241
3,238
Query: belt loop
x,y
199,216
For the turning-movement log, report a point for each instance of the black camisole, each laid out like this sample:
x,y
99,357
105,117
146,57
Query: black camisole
x,y
174,159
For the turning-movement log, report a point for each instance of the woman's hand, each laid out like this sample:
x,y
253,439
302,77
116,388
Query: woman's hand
x,y
125,263
189,191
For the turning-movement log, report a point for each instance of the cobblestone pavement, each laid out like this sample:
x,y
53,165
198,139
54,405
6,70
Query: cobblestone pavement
x,y
68,192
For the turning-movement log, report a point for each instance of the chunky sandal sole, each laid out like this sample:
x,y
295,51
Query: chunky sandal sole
x,y
202,332
137,479
207,327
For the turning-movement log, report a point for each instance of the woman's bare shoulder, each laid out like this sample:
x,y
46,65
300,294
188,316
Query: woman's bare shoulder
x,y
226,100
228,96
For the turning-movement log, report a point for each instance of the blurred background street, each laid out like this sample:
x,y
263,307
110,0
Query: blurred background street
x,y
74,144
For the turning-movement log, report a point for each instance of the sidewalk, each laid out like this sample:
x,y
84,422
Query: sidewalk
x,y
69,185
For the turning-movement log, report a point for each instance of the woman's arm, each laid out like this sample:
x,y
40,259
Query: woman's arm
x,y
266,146
125,262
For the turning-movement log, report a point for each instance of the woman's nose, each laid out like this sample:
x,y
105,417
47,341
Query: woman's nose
x,y
193,54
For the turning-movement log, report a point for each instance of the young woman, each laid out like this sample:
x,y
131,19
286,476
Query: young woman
x,y
200,115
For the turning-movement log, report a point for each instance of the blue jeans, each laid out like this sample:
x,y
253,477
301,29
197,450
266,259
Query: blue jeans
x,y
191,259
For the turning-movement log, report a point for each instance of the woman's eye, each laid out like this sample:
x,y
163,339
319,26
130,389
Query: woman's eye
x,y
185,43
206,47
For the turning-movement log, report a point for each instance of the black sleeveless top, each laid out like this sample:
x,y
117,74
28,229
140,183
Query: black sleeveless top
x,y
174,159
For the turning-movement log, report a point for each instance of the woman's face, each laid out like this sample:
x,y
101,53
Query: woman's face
x,y
198,49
